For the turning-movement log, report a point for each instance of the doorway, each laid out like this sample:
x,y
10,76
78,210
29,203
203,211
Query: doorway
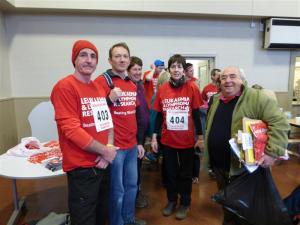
x,y
202,68
296,85
294,80
293,103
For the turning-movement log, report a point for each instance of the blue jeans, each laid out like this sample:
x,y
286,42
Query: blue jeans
x,y
123,187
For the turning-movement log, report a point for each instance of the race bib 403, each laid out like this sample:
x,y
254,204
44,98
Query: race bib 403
x,y
101,114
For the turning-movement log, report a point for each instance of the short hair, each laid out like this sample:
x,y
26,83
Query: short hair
x,y
213,72
163,77
242,74
135,60
121,44
177,58
187,65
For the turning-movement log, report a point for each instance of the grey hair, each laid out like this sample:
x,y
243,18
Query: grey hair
x,y
242,73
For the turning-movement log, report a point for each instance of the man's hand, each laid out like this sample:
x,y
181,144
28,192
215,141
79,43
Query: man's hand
x,y
141,151
266,161
115,94
200,144
149,76
109,153
101,163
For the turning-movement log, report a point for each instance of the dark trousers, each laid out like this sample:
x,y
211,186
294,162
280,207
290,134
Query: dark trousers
x,y
196,163
222,178
139,167
161,148
179,168
104,193
88,200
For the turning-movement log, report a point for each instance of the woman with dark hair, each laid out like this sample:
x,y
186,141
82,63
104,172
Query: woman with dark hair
x,y
177,104
135,74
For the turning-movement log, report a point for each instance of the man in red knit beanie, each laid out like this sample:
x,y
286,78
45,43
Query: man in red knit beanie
x,y
81,44
85,140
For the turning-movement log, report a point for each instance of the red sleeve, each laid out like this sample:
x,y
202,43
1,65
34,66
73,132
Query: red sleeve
x,y
102,84
67,118
157,103
204,96
145,74
148,86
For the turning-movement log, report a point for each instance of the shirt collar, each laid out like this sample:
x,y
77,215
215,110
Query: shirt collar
x,y
229,98
112,74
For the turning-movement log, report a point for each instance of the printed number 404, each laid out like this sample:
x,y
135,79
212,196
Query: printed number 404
x,y
177,119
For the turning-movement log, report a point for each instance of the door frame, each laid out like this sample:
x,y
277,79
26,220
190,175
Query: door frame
x,y
212,63
211,58
294,54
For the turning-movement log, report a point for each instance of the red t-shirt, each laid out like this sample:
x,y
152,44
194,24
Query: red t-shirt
x,y
122,111
208,91
150,86
177,104
75,123
193,79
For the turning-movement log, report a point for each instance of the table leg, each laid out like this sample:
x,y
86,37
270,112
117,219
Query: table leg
x,y
15,194
18,205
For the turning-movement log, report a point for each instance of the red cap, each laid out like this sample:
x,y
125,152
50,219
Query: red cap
x,y
81,44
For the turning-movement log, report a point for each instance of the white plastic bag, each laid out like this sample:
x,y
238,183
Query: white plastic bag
x,y
29,146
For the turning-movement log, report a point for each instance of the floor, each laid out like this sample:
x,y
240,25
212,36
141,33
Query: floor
x,y
44,196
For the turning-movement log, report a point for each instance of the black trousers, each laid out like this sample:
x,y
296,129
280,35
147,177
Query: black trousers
x,y
179,169
196,163
222,178
88,196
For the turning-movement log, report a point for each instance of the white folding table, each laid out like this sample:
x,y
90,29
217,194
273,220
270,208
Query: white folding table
x,y
19,168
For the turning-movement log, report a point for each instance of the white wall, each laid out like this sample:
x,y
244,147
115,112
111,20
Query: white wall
x,y
40,46
5,85
261,8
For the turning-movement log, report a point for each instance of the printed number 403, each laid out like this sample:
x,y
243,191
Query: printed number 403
x,y
102,115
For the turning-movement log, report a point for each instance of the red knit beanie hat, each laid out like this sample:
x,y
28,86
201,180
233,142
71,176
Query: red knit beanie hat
x,y
81,44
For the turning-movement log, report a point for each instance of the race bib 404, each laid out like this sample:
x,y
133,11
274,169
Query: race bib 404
x,y
177,120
